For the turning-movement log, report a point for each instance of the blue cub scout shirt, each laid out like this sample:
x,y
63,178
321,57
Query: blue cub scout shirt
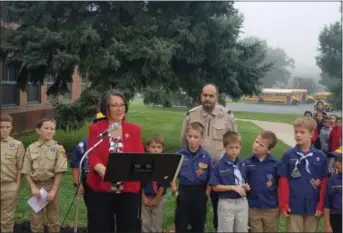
x,y
150,190
195,170
333,195
263,181
304,189
223,174
78,151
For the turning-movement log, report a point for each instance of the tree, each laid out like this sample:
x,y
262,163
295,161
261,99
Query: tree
x,y
280,72
131,46
280,64
329,60
305,83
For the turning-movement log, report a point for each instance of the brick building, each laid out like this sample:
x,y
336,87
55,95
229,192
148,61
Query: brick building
x,y
27,107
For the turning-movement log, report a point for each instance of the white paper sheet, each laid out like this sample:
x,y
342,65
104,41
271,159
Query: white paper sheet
x,y
38,205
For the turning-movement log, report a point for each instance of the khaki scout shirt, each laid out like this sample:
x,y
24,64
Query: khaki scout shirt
x,y
12,155
216,124
44,159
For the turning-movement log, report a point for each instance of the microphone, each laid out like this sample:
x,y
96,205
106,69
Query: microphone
x,y
114,126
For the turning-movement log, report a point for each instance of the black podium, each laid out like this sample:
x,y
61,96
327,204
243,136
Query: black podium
x,y
143,167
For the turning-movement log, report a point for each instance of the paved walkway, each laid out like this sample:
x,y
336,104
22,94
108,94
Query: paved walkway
x,y
283,131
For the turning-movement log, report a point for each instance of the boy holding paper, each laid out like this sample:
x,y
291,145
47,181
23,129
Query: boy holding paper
x,y
45,163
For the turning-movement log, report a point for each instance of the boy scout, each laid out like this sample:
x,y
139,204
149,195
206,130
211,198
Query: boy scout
x,y
194,174
333,197
44,165
262,178
303,175
153,193
12,154
217,120
228,178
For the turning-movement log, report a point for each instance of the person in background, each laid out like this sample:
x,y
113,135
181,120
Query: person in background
x,y
333,197
320,107
318,117
12,155
303,177
262,176
308,113
333,118
324,135
77,153
335,138
153,193
44,165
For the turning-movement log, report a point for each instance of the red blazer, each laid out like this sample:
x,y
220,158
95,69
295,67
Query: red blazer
x,y
132,143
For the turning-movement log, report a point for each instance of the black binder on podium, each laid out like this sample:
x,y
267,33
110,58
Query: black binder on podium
x,y
143,167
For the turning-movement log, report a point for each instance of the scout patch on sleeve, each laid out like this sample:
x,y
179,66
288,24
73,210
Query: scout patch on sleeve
x,y
62,151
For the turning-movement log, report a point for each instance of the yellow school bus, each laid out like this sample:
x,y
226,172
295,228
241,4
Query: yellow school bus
x,y
272,95
322,95
304,98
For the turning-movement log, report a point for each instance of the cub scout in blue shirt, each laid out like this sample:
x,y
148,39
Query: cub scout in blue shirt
x,y
153,193
262,178
193,193
228,179
333,197
303,175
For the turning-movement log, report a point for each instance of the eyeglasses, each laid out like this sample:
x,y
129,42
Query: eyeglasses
x,y
117,106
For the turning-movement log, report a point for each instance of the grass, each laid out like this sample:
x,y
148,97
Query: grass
x,y
273,117
166,122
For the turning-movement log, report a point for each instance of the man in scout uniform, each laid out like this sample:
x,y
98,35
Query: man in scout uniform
x,y
12,155
217,120
44,166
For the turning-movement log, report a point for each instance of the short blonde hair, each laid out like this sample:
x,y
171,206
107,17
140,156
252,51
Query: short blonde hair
x,y
231,137
306,122
197,126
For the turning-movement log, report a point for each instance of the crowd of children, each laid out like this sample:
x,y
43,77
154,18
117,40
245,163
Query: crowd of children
x,y
253,192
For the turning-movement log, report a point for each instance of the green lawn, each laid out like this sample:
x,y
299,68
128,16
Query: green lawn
x,y
166,122
274,117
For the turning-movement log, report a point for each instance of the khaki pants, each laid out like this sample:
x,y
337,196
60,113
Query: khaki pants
x,y
50,212
152,218
233,215
300,223
8,206
266,220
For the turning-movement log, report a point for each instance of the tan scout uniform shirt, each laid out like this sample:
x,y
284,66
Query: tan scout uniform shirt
x,y
216,124
43,160
12,155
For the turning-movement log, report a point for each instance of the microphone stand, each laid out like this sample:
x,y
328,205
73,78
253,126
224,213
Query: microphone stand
x,y
80,181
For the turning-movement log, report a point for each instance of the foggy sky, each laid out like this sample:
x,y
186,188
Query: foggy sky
x,y
293,26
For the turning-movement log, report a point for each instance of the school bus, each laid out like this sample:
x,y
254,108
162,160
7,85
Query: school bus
x,y
322,95
303,96
271,95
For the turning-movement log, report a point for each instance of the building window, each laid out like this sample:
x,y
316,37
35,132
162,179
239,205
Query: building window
x,y
49,81
66,97
33,93
9,90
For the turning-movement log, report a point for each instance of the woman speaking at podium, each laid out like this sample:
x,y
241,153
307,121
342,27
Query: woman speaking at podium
x,y
112,203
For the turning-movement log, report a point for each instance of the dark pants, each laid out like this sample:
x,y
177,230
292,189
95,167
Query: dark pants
x,y
191,209
336,223
86,189
214,200
105,209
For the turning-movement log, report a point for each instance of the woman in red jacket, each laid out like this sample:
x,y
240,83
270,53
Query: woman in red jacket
x,y
109,202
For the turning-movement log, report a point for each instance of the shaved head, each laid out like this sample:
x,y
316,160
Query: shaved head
x,y
209,97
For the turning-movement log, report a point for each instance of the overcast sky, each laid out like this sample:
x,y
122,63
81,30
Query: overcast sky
x,y
293,26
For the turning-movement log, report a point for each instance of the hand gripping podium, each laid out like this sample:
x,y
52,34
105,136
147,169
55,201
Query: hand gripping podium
x,y
143,167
